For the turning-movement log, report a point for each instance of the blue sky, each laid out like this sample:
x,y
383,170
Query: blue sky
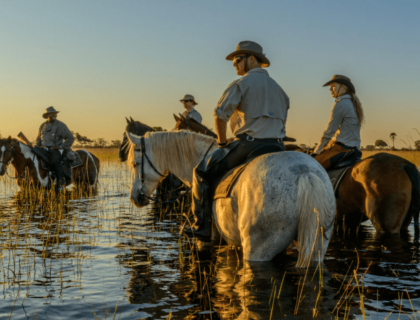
x,y
99,61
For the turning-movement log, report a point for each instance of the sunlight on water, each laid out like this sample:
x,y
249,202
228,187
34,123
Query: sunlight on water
x,y
90,255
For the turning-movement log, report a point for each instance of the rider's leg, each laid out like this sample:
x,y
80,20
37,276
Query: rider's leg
x,y
55,158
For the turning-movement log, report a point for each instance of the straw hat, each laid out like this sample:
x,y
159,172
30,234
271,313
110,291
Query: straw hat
x,y
49,111
343,80
189,97
251,48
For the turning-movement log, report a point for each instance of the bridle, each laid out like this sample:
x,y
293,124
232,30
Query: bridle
x,y
11,158
144,155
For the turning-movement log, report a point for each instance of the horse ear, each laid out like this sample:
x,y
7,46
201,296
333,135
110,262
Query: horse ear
x,y
128,121
176,118
9,139
132,120
133,138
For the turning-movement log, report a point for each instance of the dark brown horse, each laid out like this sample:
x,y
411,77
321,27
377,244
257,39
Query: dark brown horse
x,y
383,188
28,167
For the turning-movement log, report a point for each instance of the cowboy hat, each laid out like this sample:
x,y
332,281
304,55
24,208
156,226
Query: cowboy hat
x,y
189,97
251,48
49,111
342,80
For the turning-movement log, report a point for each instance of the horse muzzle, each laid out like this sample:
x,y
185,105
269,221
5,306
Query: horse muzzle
x,y
2,169
139,200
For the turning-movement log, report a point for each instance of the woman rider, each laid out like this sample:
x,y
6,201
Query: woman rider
x,y
342,137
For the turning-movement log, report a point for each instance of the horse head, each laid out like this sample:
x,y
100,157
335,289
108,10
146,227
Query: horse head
x,y
135,127
143,170
6,154
183,123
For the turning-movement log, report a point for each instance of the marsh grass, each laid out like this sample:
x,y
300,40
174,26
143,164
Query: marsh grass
x,y
54,235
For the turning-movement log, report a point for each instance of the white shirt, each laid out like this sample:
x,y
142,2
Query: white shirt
x,y
194,114
344,125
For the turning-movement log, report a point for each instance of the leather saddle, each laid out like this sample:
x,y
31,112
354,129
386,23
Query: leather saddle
x,y
223,185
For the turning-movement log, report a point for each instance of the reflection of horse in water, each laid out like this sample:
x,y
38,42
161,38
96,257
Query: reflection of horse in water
x,y
29,169
277,198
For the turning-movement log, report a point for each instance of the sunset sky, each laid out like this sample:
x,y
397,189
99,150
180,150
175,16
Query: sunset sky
x,y
100,61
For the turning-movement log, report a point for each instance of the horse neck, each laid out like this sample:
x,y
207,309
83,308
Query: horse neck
x,y
176,161
21,157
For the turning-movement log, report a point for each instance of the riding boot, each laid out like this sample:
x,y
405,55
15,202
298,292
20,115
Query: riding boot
x,y
61,180
202,210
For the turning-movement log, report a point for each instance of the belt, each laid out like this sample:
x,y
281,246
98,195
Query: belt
x,y
345,146
244,136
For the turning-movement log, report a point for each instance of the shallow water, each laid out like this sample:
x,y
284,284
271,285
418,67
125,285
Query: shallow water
x,y
100,257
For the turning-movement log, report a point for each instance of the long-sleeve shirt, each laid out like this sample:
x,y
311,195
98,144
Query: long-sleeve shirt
x,y
256,105
194,114
343,126
54,134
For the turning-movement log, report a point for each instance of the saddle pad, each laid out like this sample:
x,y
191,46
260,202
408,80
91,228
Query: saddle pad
x,y
336,176
225,185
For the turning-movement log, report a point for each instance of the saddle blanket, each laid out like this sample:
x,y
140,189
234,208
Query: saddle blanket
x,y
73,164
225,184
336,176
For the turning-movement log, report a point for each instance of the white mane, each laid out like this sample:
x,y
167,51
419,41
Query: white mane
x,y
175,150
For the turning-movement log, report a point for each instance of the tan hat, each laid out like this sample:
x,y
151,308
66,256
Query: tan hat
x,y
251,48
343,80
49,111
189,97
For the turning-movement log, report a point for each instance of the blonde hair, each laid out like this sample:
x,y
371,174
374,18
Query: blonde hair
x,y
356,103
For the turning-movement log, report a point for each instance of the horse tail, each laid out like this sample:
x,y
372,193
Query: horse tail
x,y
414,209
316,214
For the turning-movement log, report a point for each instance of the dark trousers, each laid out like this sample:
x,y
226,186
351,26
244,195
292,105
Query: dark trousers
x,y
217,164
55,158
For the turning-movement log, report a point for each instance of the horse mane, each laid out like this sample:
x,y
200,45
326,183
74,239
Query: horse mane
x,y
173,148
138,128
181,123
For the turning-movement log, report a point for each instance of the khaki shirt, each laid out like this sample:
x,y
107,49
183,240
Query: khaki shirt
x,y
343,126
256,105
194,114
54,134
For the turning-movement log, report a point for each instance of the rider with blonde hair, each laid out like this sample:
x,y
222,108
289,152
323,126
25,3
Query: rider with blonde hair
x,y
342,137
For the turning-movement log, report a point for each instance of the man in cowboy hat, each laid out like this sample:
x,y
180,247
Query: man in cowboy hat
x,y
189,103
55,137
256,107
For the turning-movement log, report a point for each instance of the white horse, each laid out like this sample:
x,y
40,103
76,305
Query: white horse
x,y
278,198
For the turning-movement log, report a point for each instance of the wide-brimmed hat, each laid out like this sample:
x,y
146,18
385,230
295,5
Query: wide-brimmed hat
x,y
251,48
49,111
343,80
189,97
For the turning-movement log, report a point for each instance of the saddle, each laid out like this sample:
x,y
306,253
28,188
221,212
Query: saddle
x,y
67,164
224,184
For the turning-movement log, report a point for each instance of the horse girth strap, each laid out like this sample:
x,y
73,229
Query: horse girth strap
x,y
144,155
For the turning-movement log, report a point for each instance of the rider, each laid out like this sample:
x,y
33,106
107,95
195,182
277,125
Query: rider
x,y
55,138
256,107
343,131
189,103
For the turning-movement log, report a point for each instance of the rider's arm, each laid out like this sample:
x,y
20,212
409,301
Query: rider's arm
x,y
221,127
67,136
336,118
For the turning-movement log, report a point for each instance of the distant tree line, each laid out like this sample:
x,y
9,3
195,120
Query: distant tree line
x,y
83,141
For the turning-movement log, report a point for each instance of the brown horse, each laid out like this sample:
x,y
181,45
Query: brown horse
x,y
28,165
383,188
183,123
